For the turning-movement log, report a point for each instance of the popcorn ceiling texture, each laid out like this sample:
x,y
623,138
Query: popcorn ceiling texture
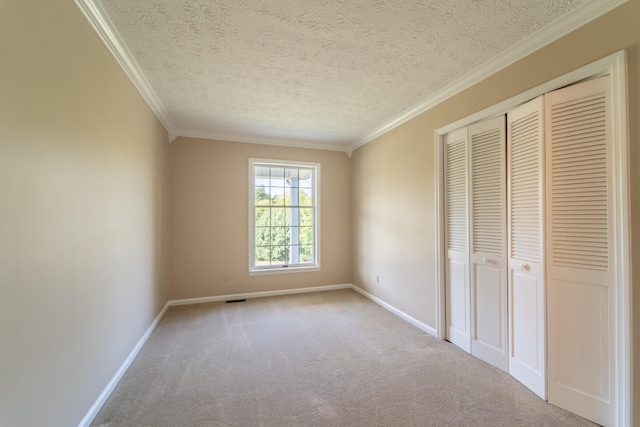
x,y
326,71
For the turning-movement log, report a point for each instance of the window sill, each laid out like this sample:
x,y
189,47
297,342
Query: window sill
x,y
283,270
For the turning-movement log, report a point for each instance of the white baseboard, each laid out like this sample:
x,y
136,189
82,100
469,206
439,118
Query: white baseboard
x,y
415,322
90,416
257,294
102,399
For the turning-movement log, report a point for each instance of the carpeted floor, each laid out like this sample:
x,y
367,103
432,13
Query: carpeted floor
x,y
317,359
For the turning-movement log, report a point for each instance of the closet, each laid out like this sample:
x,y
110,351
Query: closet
x,y
529,245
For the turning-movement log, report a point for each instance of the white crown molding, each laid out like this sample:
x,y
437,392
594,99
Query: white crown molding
x,y
99,20
266,141
543,37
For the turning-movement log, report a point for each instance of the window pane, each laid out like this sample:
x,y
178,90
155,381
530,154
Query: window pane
x,y
262,253
279,236
306,178
306,217
263,236
306,253
277,196
279,255
263,217
280,216
277,177
262,175
306,197
262,196
306,235
287,196
292,176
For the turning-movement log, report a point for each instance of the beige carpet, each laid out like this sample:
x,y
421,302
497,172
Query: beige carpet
x,y
319,359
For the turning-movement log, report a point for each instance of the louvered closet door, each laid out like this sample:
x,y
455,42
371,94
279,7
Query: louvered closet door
x,y
488,241
457,264
581,258
525,171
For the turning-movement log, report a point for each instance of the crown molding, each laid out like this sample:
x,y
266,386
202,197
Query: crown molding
x,y
99,20
541,38
316,145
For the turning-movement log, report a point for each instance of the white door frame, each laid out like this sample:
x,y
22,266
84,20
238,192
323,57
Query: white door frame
x,y
615,66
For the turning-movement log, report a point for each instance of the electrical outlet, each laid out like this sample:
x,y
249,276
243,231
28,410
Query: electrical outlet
x,y
377,278
226,277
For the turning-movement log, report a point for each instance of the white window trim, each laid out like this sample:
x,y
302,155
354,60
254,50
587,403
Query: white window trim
x,y
316,197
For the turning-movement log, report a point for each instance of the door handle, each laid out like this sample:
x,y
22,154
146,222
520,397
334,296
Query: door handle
x,y
524,266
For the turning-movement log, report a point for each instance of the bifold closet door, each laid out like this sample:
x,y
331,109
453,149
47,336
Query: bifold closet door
x,y
581,259
456,239
525,173
488,261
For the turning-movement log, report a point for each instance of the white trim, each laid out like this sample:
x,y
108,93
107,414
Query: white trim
x,y
420,325
104,396
440,240
404,316
99,20
599,67
622,224
314,145
284,270
552,32
295,268
249,295
615,66
102,399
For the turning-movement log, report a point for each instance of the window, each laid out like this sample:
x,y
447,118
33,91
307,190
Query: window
x,y
283,216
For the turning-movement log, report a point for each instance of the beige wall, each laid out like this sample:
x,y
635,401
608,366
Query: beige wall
x,y
83,176
393,176
84,205
209,218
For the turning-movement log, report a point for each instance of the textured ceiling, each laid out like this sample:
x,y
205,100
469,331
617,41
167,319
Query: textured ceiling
x,y
312,71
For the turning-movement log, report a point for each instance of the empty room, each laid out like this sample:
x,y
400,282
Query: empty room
x,y
273,212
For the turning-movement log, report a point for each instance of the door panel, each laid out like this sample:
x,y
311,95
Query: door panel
x,y
525,176
586,313
487,201
525,290
580,251
456,239
458,298
489,294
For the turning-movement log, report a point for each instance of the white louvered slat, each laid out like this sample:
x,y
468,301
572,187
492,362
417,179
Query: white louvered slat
x,y
488,275
487,177
456,193
580,248
456,238
579,200
526,257
525,187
